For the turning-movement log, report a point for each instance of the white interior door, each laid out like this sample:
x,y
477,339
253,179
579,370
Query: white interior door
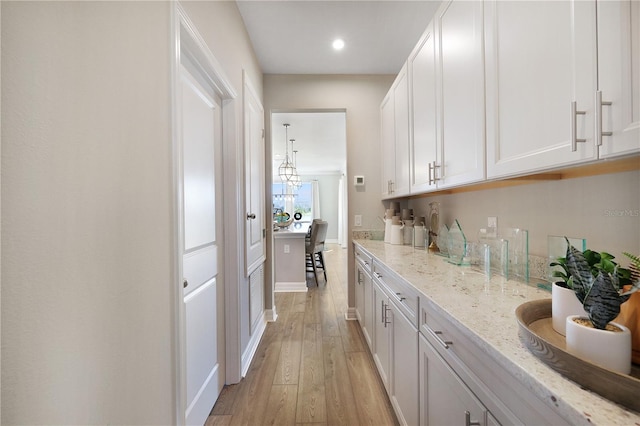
x,y
201,135
254,178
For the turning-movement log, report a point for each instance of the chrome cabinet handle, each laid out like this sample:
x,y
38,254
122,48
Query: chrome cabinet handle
x,y
386,315
432,168
436,335
400,297
251,216
467,420
574,126
599,104
382,319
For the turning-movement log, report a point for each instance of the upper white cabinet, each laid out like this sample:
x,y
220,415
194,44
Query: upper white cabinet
x,y
394,112
618,78
460,92
541,82
423,140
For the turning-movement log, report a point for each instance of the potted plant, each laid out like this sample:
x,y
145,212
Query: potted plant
x,y
563,299
599,287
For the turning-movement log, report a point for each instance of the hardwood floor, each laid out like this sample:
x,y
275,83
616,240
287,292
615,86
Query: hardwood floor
x,y
312,366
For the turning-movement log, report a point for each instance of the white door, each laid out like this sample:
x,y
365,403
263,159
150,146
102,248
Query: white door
x,y
618,77
254,178
201,133
541,73
460,90
423,141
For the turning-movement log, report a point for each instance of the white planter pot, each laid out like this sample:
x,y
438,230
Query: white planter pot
x,y
564,303
608,349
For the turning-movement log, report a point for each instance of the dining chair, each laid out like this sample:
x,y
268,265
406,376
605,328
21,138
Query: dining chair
x,y
314,248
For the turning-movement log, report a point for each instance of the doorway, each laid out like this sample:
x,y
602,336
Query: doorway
x,y
316,143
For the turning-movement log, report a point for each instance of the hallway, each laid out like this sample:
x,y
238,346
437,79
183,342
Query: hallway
x,y
312,365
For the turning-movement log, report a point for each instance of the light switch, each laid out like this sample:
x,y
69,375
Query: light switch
x,y
287,248
357,220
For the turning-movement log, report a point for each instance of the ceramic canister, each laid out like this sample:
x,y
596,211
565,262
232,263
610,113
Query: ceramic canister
x,y
407,232
387,230
397,236
419,235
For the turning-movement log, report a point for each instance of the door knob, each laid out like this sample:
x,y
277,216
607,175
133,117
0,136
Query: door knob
x,y
185,283
251,216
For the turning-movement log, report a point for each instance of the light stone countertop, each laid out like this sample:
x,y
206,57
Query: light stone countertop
x,y
484,310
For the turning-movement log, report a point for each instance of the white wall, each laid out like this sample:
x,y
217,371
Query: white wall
x,y
87,214
603,209
360,96
328,188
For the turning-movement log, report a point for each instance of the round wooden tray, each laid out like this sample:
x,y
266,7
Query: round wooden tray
x,y
538,335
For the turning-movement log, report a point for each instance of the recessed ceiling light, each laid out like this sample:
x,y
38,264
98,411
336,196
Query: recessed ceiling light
x,y
338,44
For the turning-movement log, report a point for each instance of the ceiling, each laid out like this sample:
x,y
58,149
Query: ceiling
x,y
320,139
295,36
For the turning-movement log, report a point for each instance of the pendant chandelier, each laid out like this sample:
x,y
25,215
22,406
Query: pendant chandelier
x,y
295,181
287,170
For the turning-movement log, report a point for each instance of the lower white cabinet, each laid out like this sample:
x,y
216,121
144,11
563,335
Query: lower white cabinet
x,y
404,362
396,351
445,399
364,294
381,333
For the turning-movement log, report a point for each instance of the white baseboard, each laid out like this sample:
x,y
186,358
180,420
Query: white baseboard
x,y
350,315
248,354
270,315
282,287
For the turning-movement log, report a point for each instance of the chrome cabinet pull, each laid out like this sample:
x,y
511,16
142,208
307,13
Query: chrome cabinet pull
x,y
574,126
400,297
386,315
599,104
436,335
432,171
467,420
382,320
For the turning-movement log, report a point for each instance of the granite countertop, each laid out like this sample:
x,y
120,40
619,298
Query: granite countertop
x,y
484,310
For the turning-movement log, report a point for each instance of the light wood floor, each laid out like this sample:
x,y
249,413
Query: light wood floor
x,y
312,365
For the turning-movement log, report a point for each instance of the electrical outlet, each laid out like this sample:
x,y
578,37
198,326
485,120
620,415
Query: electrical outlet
x,y
287,248
357,220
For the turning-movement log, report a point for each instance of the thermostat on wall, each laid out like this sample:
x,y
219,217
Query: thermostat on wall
x,y
358,180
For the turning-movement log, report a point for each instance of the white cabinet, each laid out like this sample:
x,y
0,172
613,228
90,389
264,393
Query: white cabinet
x,y
396,342
460,93
618,78
364,294
404,365
394,116
445,399
423,140
381,333
540,85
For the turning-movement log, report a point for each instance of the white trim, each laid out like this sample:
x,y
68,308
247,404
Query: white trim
x,y
291,287
351,314
270,315
252,346
187,42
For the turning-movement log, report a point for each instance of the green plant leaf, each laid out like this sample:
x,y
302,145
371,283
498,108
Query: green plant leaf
x,y
602,303
580,271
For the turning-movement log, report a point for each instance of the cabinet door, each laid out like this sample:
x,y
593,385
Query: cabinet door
x,y
404,358
367,326
445,399
401,119
387,141
381,333
461,92
423,124
540,59
618,77
359,293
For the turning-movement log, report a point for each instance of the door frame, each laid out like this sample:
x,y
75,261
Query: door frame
x,y
187,43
